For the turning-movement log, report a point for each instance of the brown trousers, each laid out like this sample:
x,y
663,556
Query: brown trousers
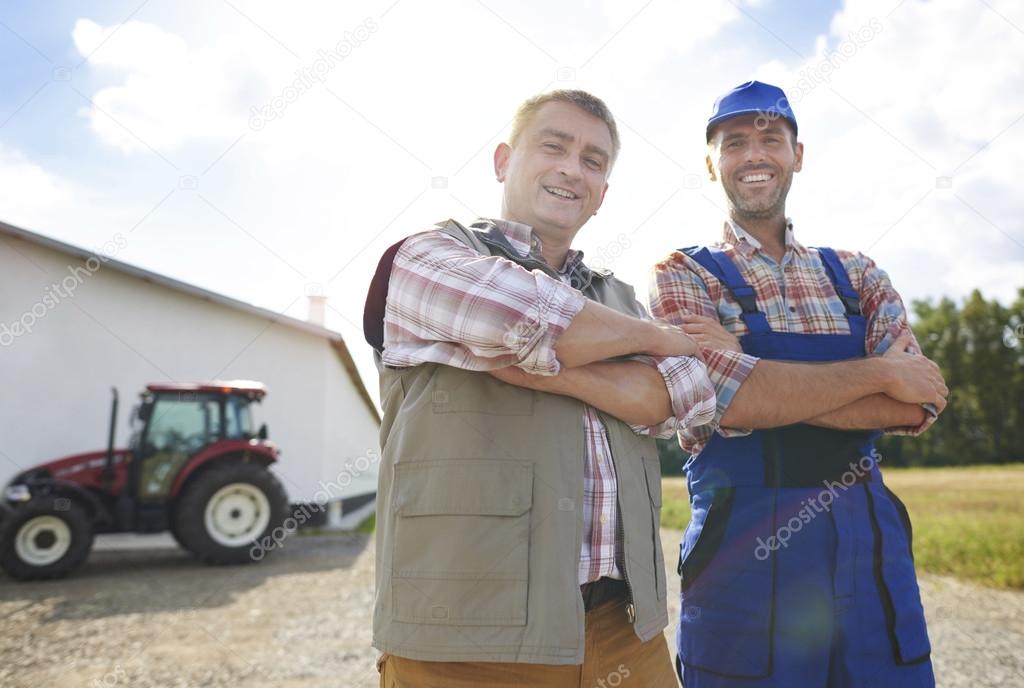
x,y
613,657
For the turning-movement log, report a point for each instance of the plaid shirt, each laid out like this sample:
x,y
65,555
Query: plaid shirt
x,y
795,296
448,304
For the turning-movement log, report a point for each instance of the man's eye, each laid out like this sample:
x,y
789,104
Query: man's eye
x,y
552,146
594,164
734,144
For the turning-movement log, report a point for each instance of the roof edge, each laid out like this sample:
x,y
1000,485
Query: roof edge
x,y
336,340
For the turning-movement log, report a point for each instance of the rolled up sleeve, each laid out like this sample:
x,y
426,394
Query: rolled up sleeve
x,y
691,392
675,290
449,304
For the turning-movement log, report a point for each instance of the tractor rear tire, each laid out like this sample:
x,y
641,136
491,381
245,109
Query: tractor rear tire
x,y
47,537
228,512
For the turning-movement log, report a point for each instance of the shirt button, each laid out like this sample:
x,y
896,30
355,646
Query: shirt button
x,y
604,518
792,309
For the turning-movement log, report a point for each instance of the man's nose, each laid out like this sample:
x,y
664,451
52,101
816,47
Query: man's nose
x,y
571,167
755,152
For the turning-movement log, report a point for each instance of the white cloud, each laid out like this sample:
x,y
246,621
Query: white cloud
x,y
170,93
326,185
915,103
30,192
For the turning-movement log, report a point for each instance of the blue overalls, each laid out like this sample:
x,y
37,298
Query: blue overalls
x,y
796,565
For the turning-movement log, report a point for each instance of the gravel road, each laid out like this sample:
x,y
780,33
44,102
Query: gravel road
x,y
142,613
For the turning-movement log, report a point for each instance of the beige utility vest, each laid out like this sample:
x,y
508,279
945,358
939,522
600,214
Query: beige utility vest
x,y
479,508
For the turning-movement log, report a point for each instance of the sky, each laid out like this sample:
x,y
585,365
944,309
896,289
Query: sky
x,y
268,151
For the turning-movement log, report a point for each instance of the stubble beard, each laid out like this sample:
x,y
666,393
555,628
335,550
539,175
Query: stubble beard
x,y
757,210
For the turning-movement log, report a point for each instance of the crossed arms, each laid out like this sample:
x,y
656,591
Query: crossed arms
x,y
884,391
448,304
875,392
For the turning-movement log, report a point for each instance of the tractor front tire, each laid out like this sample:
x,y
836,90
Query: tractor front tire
x,y
47,537
228,512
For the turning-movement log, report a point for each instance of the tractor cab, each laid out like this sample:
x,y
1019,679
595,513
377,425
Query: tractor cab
x,y
176,428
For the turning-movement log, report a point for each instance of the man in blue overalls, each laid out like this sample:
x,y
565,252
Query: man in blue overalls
x,y
796,566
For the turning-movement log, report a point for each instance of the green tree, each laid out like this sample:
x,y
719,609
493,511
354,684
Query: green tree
x,y
980,348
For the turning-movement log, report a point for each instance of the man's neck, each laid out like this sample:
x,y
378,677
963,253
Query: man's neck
x,y
554,255
554,246
769,232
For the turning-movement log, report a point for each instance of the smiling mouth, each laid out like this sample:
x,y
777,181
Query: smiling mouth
x,y
561,193
757,178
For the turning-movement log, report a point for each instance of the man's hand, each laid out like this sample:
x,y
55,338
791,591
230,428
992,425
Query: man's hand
x,y
669,340
915,378
709,333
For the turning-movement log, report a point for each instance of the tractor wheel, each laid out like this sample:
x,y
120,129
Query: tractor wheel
x,y
227,511
47,537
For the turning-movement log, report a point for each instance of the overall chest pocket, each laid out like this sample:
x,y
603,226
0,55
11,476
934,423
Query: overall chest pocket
x,y
462,542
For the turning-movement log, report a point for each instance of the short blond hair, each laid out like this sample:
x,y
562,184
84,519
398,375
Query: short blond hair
x,y
581,99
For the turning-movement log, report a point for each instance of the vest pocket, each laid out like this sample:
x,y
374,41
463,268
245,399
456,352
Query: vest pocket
x,y
464,391
462,536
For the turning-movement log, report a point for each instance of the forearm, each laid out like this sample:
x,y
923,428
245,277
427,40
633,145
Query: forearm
x,y
631,391
875,412
778,393
597,333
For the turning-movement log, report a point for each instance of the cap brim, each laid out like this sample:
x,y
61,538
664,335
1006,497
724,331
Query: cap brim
x,y
715,121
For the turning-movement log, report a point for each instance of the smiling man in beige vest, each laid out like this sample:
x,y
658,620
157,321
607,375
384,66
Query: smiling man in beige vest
x,y
517,529
519,497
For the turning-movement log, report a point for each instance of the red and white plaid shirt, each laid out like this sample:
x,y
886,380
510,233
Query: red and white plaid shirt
x,y
795,296
449,304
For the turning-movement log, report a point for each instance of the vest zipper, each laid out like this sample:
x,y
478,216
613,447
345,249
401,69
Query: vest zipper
x,y
631,607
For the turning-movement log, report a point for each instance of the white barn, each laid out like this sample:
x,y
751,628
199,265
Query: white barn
x,y
74,323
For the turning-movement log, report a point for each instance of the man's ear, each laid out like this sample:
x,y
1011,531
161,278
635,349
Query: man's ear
x,y
501,155
601,201
798,160
711,168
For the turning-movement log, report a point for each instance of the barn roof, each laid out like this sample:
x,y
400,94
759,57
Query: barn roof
x,y
335,339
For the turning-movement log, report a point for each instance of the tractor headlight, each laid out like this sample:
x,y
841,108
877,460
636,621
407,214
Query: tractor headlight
x,y
17,493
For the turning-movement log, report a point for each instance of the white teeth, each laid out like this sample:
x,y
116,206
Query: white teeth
x,y
560,192
763,177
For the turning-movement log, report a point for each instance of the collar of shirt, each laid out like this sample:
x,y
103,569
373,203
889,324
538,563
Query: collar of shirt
x,y
527,244
748,245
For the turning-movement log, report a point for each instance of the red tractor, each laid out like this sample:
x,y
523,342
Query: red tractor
x,y
195,466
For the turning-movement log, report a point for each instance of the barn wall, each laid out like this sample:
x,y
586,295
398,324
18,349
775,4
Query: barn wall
x,y
101,328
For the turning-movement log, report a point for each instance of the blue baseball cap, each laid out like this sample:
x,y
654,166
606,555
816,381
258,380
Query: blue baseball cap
x,y
748,98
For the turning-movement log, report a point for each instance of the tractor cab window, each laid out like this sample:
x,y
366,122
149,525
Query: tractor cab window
x,y
238,414
183,423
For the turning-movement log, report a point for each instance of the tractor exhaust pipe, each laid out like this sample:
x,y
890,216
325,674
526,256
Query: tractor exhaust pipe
x,y
108,466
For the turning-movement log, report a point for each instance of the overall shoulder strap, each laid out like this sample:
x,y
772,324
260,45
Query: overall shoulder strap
x,y
840,280
718,263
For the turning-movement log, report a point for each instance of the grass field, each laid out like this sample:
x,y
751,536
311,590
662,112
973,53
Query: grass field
x,y
968,522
